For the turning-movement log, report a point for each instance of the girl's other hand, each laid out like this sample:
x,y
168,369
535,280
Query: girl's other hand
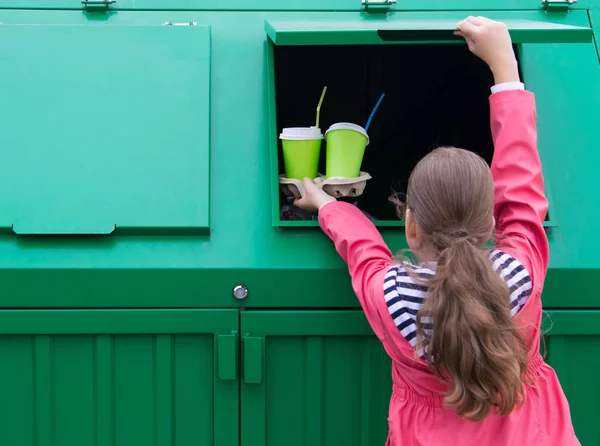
x,y
313,198
490,41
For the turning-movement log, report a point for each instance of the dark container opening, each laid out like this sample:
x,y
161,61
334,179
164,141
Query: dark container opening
x,y
435,95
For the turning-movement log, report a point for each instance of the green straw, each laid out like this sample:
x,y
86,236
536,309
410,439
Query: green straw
x,y
319,105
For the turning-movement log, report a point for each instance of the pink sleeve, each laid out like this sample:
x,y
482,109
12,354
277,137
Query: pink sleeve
x,y
361,246
520,203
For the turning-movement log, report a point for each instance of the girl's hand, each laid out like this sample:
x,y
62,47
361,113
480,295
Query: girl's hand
x,y
490,41
313,198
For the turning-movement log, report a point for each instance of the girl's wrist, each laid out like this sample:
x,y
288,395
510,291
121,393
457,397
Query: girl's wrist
x,y
507,71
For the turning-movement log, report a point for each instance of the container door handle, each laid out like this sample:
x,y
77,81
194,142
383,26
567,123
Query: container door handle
x,y
253,359
226,356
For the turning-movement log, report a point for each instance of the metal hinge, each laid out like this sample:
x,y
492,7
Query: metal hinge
x,y
180,24
97,5
557,5
378,4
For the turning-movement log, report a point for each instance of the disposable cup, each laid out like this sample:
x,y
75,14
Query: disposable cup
x,y
346,143
301,150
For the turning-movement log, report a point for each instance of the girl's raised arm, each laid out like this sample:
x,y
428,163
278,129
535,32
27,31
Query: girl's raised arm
x,y
520,203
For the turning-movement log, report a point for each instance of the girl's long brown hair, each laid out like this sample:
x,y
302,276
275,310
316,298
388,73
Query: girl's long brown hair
x,y
474,346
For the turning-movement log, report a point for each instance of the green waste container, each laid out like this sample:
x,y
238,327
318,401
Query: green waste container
x,y
157,287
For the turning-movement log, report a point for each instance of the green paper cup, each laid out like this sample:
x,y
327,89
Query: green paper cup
x,y
346,145
301,150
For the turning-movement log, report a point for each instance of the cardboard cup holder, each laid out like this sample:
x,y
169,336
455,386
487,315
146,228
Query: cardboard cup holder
x,y
291,187
335,187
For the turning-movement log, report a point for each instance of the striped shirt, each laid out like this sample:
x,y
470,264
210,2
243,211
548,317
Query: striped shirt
x,y
404,297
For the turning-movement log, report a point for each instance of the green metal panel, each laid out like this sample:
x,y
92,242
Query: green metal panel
x,y
594,21
96,131
312,377
395,28
573,272
243,247
573,343
293,5
253,358
119,378
227,362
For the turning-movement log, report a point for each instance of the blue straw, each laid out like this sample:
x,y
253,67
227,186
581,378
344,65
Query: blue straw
x,y
373,112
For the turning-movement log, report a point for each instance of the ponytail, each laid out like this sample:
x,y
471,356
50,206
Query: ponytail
x,y
475,347
465,330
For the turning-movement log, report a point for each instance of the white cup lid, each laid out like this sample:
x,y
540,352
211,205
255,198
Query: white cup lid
x,y
348,126
301,133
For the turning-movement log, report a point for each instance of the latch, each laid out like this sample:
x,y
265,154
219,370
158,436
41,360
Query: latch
x,y
377,4
180,24
97,5
557,5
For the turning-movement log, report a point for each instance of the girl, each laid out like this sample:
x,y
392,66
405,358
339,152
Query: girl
x,y
463,326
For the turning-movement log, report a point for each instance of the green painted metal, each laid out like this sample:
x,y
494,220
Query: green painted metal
x,y
101,377
573,343
292,5
227,351
243,247
397,29
65,322
334,5
176,225
253,359
594,15
572,322
326,380
96,132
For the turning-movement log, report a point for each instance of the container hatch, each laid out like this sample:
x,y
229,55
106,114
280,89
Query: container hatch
x,y
104,128
360,31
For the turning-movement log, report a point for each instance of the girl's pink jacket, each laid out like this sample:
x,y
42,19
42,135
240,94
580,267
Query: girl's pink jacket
x,y
416,415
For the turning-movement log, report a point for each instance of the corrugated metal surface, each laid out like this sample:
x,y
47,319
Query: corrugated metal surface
x,y
114,389
326,381
326,390
573,345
